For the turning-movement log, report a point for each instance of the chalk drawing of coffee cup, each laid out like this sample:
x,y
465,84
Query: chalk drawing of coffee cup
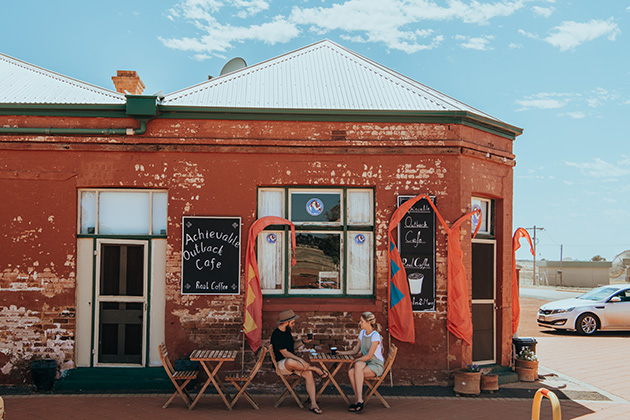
x,y
415,283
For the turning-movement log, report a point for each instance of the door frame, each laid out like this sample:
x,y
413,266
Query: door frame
x,y
97,299
492,301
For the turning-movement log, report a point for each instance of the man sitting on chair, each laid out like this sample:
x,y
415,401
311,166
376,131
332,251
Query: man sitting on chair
x,y
288,363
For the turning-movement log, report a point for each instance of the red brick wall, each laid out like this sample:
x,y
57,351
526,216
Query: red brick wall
x,y
214,168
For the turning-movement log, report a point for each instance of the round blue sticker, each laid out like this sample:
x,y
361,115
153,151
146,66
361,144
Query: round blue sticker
x,y
314,207
272,238
359,239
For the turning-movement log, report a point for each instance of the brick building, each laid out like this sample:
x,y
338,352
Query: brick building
x,y
103,192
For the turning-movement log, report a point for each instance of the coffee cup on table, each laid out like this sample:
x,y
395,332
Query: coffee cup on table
x,y
333,350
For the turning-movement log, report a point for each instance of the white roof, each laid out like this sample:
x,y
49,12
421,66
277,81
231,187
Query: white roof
x,y
322,76
24,83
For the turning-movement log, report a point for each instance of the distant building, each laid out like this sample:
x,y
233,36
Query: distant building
x,y
574,273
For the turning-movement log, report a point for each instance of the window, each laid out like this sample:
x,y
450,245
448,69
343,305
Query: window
x,y
334,241
485,221
122,212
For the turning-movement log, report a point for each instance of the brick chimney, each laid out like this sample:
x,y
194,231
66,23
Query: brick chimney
x,y
128,82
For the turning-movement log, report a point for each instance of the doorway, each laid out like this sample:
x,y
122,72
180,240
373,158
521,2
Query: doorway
x,y
484,300
120,311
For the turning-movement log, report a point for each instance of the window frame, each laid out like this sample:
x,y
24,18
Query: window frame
x,y
344,229
98,191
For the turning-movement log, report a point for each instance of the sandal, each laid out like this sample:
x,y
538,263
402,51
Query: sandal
x,y
352,407
316,410
359,407
324,375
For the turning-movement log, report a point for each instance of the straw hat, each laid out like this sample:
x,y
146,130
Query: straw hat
x,y
286,316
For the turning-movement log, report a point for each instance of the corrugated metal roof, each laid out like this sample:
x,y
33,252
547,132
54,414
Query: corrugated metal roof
x,y
24,83
324,76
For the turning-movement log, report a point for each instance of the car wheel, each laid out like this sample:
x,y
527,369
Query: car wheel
x,y
587,324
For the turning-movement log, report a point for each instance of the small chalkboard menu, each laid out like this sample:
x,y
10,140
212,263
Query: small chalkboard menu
x,y
211,255
416,244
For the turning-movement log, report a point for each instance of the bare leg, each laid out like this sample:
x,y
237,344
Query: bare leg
x,y
302,368
361,371
353,382
310,387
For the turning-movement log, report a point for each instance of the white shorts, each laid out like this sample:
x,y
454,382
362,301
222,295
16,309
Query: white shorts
x,y
282,370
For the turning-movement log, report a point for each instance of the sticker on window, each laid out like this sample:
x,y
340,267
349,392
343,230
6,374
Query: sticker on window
x,y
272,238
359,239
314,207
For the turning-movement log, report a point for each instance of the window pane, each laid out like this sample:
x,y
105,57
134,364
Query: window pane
x,y
123,213
88,212
271,260
315,207
360,207
482,221
360,262
318,261
160,205
271,203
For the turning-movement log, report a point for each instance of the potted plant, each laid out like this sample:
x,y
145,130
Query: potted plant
x,y
527,365
43,373
489,382
467,380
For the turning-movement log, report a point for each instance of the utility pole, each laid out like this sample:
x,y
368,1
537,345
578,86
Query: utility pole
x,y
535,229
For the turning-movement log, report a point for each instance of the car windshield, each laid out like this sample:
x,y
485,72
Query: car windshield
x,y
598,294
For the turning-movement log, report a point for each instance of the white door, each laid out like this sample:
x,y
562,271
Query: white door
x,y
120,312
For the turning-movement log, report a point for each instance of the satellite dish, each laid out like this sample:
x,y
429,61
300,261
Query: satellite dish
x,y
234,64
619,264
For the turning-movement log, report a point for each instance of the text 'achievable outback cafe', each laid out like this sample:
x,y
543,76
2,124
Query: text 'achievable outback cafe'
x,y
127,218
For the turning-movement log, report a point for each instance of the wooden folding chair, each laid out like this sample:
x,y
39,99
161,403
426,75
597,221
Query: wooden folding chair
x,y
374,383
180,378
295,379
241,381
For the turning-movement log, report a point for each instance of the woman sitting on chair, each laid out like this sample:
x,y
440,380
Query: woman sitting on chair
x,y
369,362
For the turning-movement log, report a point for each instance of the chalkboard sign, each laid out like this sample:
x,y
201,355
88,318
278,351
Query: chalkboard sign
x,y
211,255
416,244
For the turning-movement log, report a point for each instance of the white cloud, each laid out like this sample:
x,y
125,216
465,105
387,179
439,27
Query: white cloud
x,y
545,100
515,46
571,34
543,11
403,25
220,38
395,22
602,169
594,98
475,43
576,115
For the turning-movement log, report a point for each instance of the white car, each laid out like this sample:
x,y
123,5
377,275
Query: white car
x,y
603,308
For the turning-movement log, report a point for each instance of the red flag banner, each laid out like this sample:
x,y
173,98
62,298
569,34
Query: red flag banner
x,y
252,319
516,306
458,316
400,317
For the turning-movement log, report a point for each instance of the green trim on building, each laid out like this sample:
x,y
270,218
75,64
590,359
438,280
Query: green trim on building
x,y
146,107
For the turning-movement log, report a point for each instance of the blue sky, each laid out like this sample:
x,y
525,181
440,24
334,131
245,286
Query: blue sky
x,y
558,69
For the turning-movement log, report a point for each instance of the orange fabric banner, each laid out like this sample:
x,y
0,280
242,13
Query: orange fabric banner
x,y
516,306
252,319
459,319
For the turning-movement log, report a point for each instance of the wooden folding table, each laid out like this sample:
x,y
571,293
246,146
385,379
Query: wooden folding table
x,y
208,358
335,361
